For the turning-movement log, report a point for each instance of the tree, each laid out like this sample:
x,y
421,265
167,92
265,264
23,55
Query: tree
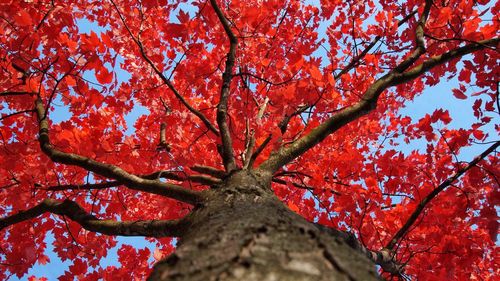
x,y
271,140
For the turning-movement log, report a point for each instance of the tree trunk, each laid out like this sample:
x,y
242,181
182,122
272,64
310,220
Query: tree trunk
x,y
243,232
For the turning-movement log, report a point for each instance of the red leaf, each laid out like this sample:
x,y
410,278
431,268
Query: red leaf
x,y
380,17
43,259
106,40
79,267
459,94
94,39
293,207
442,115
70,81
316,73
183,17
104,76
23,18
371,182
478,134
444,15
465,75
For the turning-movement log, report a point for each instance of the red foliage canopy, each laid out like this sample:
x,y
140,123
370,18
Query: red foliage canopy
x,y
289,72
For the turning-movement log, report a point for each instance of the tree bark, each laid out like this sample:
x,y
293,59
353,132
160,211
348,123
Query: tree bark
x,y
243,232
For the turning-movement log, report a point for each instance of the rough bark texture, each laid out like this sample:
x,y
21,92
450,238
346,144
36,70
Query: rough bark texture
x,y
243,232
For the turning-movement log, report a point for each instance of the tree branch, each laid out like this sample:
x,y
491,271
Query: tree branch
x,y
88,186
264,79
420,207
419,40
247,157
214,172
108,170
15,113
383,258
248,161
203,179
163,144
14,93
70,209
259,150
367,103
301,186
283,125
441,59
227,76
171,175
165,80
372,44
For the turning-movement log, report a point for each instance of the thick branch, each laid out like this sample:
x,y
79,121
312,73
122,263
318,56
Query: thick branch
x,y
163,144
441,59
420,207
419,40
171,175
227,76
70,209
214,172
383,258
301,186
367,103
163,78
203,179
107,170
248,161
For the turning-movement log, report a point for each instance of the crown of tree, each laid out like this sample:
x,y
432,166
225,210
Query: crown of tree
x,y
302,101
